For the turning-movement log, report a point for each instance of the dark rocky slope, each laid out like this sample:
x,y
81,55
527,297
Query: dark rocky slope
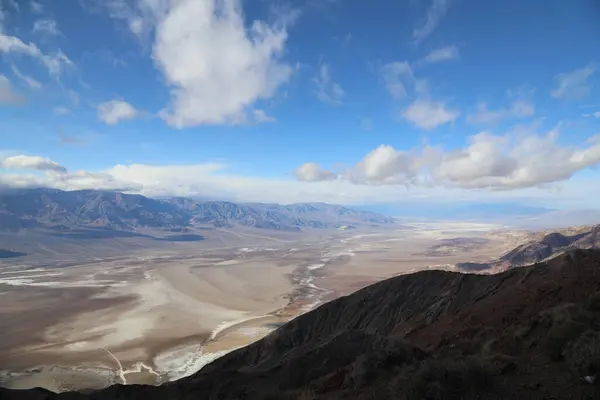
x,y
530,333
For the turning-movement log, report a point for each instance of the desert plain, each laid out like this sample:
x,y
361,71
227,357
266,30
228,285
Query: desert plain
x,y
90,313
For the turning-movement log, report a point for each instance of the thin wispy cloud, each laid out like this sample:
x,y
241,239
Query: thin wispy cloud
x,y
46,27
36,7
398,78
483,115
573,85
55,63
439,55
61,111
29,81
328,91
262,116
435,14
7,93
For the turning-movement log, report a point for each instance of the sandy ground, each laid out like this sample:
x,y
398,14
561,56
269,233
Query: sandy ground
x,y
155,315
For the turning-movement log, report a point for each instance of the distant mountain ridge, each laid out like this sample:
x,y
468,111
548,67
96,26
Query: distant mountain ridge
x,y
543,248
30,208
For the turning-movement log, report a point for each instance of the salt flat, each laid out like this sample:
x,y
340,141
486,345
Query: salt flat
x,y
148,315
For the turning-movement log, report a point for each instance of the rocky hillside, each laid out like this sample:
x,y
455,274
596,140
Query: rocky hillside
x,y
20,209
531,333
547,246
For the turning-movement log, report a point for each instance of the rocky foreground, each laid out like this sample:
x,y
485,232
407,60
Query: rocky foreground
x,y
530,333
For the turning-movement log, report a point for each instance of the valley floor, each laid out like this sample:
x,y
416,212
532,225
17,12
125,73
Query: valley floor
x,y
150,315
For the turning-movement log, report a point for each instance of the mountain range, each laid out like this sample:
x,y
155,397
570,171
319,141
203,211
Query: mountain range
x,y
63,210
529,333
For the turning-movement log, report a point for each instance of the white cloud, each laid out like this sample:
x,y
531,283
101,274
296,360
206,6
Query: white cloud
x,y
32,162
7,94
36,7
435,14
518,109
528,165
54,63
596,114
139,15
398,78
111,112
216,68
428,114
61,111
311,172
484,159
493,162
443,54
385,165
423,112
261,116
46,26
501,163
328,91
573,85
32,83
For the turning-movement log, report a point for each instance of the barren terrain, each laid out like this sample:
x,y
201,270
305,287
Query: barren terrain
x,y
72,318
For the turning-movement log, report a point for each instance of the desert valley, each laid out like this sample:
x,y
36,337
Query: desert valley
x,y
93,294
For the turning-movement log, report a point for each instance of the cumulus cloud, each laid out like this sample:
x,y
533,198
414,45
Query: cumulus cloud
x,y
484,159
499,163
55,63
312,172
427,114
32,162
500,167
435,13
215,67
398,78
573,85
443,54
495,162
385,165
111,112
7,94
328,91
32,83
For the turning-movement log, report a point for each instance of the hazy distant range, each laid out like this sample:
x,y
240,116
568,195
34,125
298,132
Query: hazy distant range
x,y
510,214
65,212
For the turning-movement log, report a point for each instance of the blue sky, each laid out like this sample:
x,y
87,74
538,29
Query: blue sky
x,y
342,101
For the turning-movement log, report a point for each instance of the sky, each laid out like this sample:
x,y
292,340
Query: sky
x,y
416,102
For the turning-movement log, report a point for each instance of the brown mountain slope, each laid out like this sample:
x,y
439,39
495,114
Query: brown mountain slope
x,y
530,332
540,247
